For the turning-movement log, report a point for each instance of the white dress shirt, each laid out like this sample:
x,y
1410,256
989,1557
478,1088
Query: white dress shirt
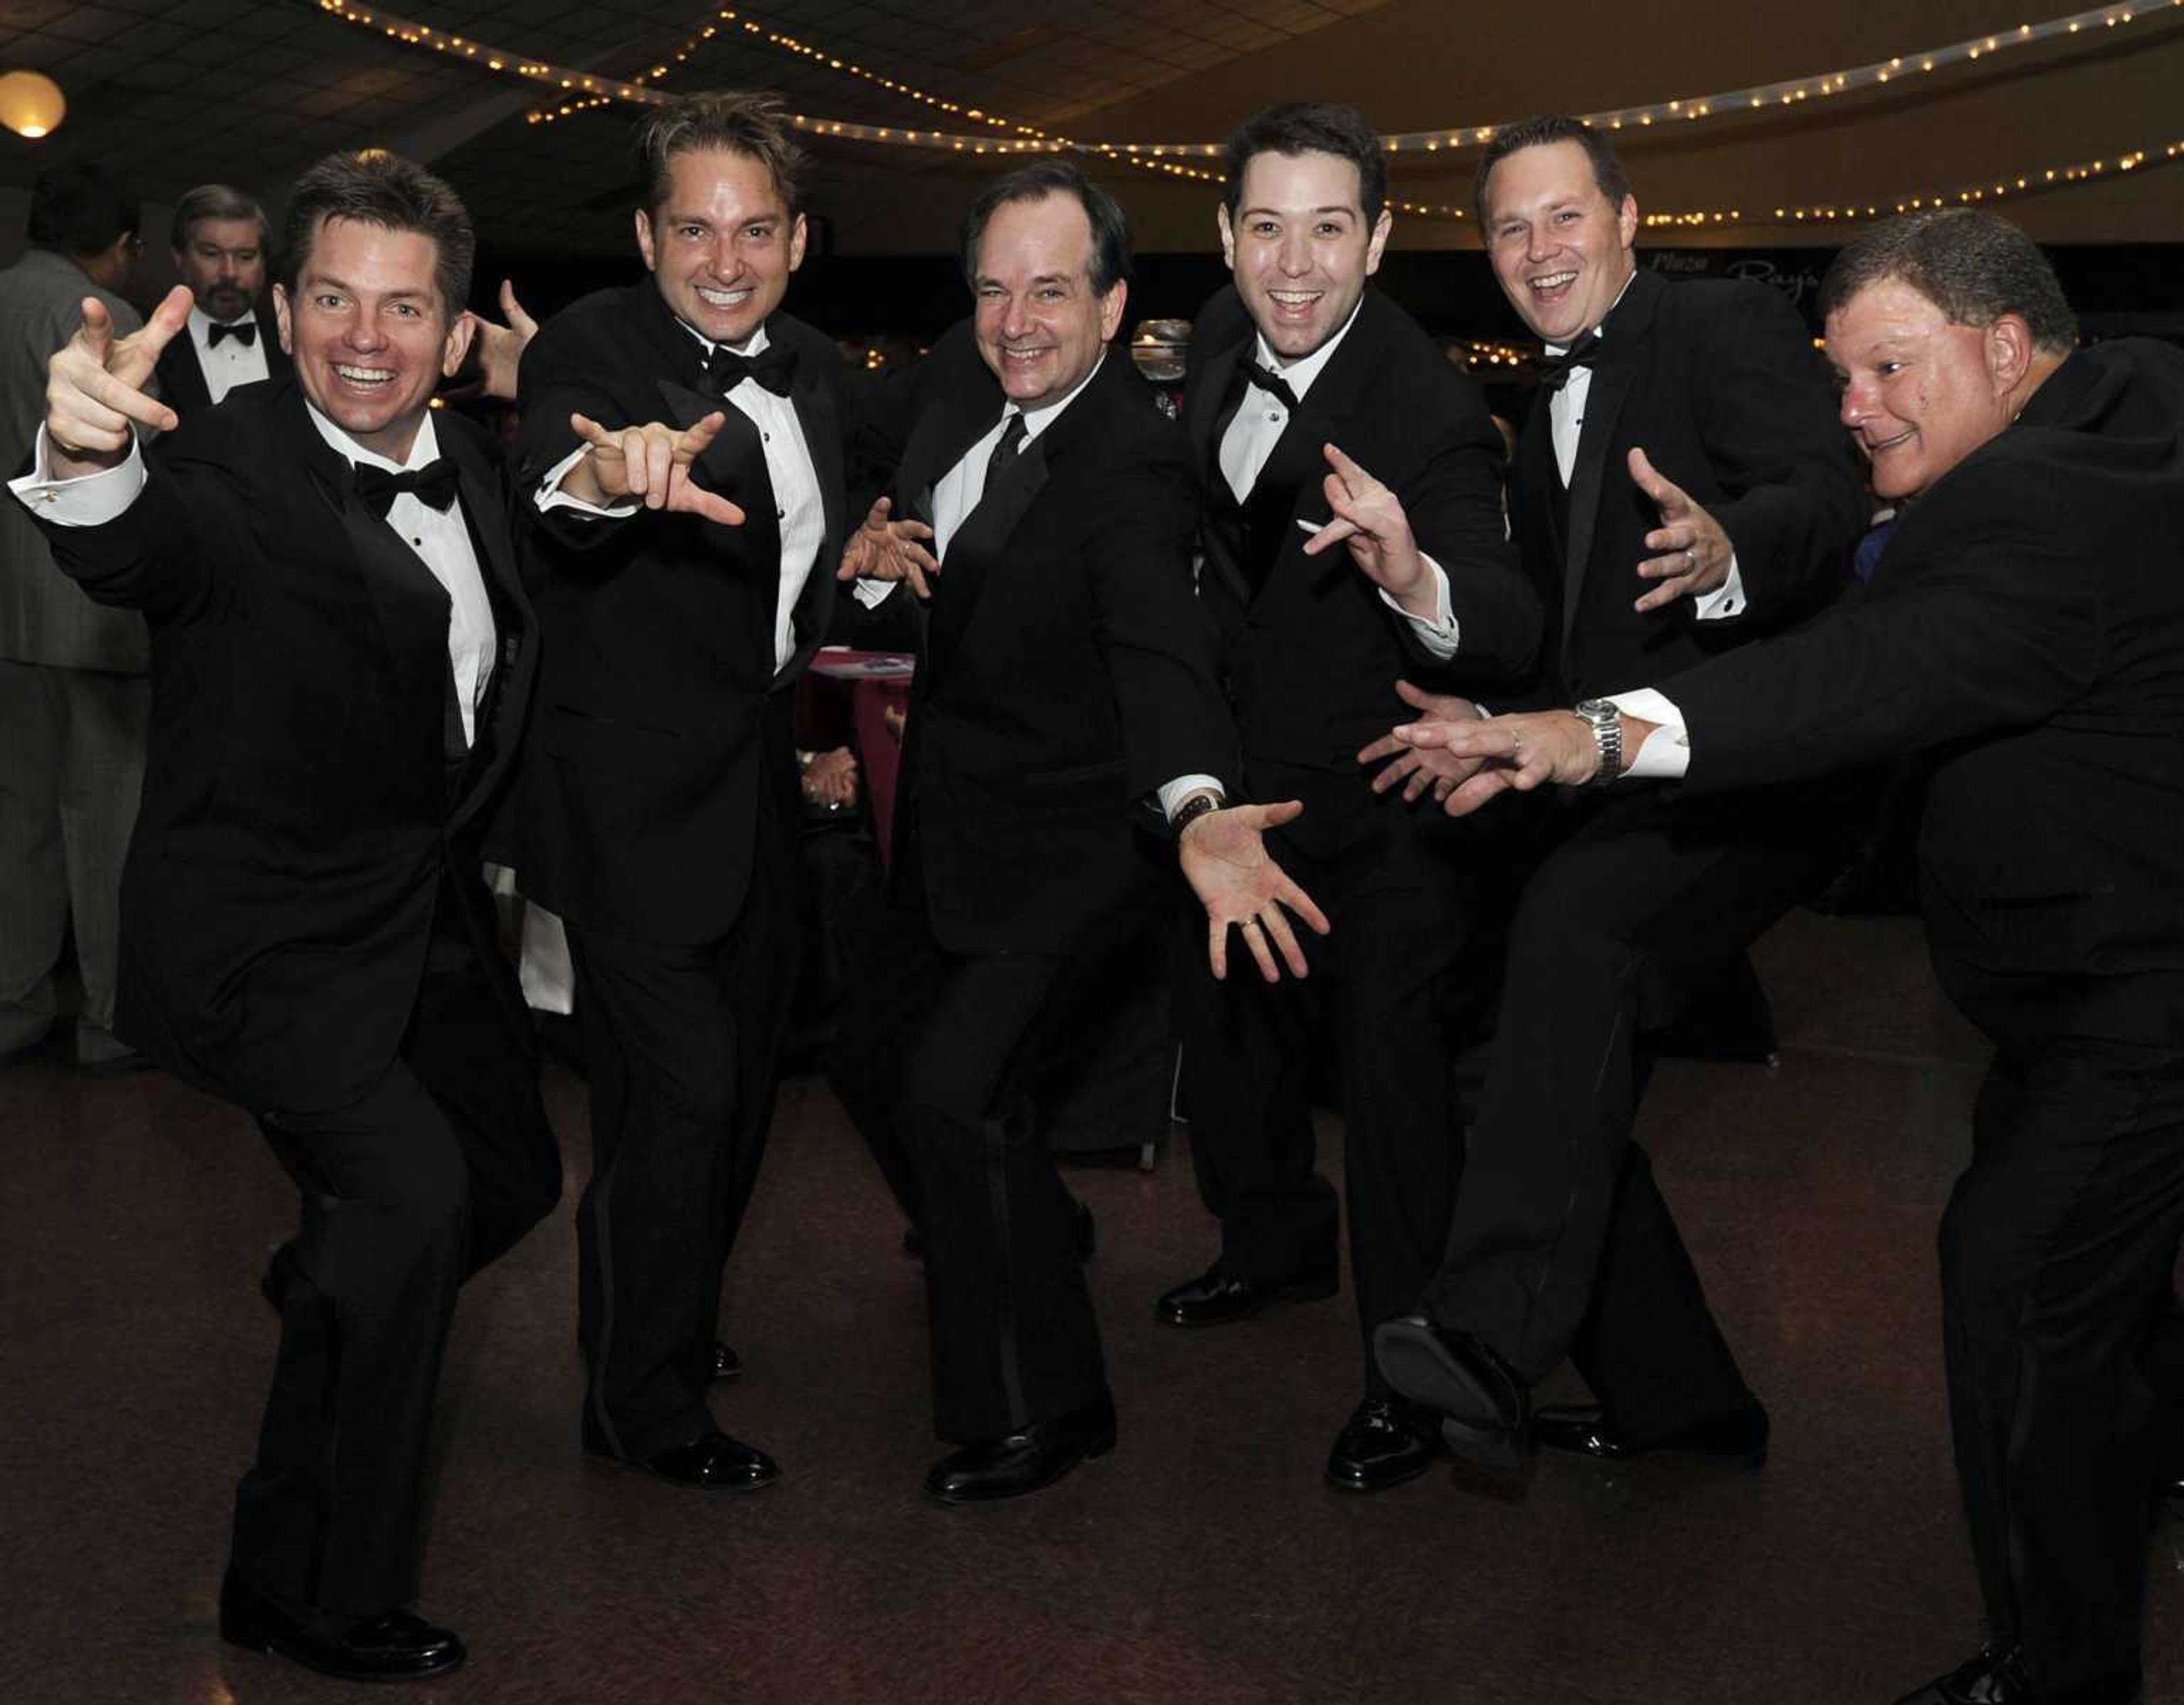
x,y
1259,422
441,541
799,511
234,362
1566,419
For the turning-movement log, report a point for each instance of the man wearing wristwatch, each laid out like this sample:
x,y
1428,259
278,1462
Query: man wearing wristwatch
x,y
1680,488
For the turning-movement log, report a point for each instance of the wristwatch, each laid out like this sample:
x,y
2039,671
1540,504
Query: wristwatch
x,y
1606,722
1203,805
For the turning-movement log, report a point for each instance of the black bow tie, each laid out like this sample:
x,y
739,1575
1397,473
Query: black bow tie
x,y
1555,369
725,369
244,331
433,484
1272,383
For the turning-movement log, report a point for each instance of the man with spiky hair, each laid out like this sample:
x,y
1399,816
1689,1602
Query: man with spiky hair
x,y
681,461
341,656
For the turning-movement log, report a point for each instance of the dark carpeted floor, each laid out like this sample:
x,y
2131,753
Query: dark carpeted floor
x,y
1204,1561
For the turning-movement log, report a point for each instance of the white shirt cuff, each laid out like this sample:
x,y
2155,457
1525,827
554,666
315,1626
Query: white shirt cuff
x,y
1173,794
1438,636
86,501
551,496
872,593
1667,752
1726,600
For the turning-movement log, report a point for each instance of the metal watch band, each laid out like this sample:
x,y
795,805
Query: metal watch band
x,y
1606,724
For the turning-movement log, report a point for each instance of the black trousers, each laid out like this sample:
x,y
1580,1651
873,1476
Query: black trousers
x,y
1561,1244
1405,906
434,1172
2057,1253
680,1043
958,1050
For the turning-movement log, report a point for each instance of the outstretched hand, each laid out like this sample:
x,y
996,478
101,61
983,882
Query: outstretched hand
x,y
500,348
1369,518
884,549
653,462
1696,552
1418,768
1518,753
95,394
1225,859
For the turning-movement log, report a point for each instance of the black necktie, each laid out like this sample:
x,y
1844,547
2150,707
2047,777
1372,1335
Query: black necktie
x,y
1004,452
725,369
1272,383
1555,369
244,331
433,484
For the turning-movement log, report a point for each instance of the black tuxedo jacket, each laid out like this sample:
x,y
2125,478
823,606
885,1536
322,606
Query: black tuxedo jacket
x,y
1312,655
2026,630
1717,382
1065,670
181,376
661,714
295,825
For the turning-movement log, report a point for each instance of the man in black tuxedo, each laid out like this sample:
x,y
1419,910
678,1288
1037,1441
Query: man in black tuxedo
x,y
681,454
222,247
1321,416
2025,636
342,654
1681,487
1067,673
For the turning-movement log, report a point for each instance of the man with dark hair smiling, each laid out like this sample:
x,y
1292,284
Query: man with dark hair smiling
x,y
1680,488
1352,535
341,659
682,454
2024,638
1067,673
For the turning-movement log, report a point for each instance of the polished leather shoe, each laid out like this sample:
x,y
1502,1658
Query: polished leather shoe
x,y
396,1646
713,1463
1218,1297
1039,1456
1385,1442
1484,1407
1999,1678
1585,1430
727,1364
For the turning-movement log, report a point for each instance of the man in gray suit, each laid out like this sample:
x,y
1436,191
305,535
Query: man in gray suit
x,y
74,694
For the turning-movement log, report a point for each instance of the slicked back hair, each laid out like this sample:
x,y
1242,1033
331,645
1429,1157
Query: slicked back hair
x,y
1110,262
1973,265
1310,128
216,200
1607,172
736,122
373,186
79,207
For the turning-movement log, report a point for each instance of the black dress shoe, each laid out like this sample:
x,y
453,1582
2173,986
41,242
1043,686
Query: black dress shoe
x,y
1999,1678
1585,1430
1385,1442
713,1463
1039,1456
727,1364
1218,1297
1484,1407
396,1646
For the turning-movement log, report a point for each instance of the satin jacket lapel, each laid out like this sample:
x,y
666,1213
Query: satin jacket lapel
x,y
819,422
1612,377
979,543
402,591
486,505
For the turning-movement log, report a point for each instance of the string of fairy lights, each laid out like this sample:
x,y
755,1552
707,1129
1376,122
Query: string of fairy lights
x,y
570,91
